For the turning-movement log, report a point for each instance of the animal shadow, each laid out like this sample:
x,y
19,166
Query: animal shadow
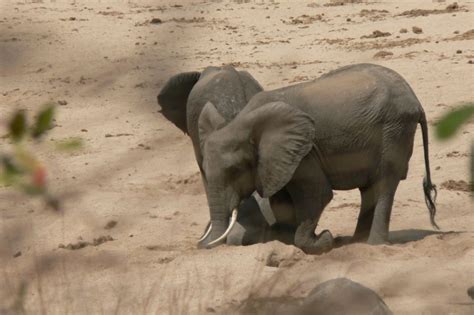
x,y
397,237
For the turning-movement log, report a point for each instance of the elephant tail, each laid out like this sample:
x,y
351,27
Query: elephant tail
x,y
428,187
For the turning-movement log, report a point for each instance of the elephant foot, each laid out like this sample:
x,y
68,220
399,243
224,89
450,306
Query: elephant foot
x,y
340,241
360,238
309,242
378,240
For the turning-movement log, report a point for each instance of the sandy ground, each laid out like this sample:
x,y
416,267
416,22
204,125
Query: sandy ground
x,y
108,63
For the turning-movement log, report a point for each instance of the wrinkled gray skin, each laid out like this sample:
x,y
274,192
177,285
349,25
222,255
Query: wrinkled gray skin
x,y
182,99
351,128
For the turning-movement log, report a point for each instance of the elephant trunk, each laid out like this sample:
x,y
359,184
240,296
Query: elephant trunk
x,y
233,219
217,232
219,226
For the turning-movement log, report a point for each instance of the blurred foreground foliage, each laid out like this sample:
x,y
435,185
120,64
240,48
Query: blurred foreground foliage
x,y
20,168
450,124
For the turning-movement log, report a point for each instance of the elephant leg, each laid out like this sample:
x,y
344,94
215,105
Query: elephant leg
x,y
280,232
383,209
309,205
282,208
397,150
308,213
310,192
311,243
366,214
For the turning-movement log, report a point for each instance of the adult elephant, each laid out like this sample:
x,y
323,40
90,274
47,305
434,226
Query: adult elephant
x,y
182,99
351,128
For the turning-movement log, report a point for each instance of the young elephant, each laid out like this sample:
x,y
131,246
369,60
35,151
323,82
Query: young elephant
x,y
351,128
182,99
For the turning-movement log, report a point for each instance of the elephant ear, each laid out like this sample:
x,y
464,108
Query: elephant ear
x,y
174,96
209,120
283,135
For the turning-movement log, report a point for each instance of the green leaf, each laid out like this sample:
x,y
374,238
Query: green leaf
x,y
17,126
70,144
472,168
44,122
451,122
5,180
10,172
10,167
32,190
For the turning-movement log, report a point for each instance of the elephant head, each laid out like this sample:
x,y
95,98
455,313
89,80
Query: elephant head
x,y
259,150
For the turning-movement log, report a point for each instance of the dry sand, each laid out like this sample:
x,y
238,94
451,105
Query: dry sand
x,y
108,62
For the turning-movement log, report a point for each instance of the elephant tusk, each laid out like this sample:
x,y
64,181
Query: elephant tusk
x,y
231,225
208,230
